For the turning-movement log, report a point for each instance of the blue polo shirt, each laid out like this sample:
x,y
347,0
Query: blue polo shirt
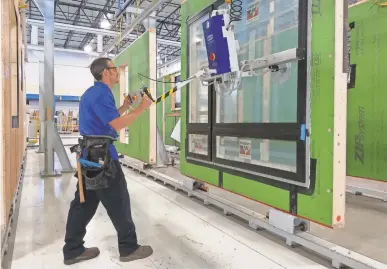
x,y
96,109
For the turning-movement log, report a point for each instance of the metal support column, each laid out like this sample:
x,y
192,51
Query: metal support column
x,y
52,141
41,108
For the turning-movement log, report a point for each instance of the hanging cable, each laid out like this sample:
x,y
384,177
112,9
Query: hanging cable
x,y
377,3
235,11
164,82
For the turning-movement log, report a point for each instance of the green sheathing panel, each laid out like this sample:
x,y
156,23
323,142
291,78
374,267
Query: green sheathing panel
x,y
367,113
255,190
136,56
317,206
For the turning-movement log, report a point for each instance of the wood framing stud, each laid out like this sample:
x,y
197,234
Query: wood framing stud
x,y
152,88
340,120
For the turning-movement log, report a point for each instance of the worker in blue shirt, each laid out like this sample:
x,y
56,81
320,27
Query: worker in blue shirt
x,y
98,115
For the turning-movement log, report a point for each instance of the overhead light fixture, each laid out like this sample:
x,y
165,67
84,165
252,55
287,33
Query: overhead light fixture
x,y
88,48
105,24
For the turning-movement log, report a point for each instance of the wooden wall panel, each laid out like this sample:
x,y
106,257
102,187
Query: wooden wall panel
x,y
13,103
5,106
2,213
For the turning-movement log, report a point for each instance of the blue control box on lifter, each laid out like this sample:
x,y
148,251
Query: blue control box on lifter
x,y
216,44
220,43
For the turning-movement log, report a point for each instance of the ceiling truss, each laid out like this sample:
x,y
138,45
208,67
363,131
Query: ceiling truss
x,y
90,13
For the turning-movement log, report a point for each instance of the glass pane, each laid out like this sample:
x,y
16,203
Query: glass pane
x,y
198,94
266,96
270,153
198,144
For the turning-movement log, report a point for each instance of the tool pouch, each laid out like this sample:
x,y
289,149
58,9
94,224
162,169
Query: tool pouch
x,y
96,150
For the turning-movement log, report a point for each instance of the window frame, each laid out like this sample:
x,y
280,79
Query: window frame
x,y
294,131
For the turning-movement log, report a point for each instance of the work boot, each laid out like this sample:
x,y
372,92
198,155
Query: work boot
x,y
140,253
89,253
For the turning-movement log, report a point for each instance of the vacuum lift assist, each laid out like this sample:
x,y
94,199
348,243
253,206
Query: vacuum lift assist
x,y
223,71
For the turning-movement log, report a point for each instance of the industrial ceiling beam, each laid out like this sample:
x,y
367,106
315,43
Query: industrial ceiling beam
x,y
92,8
155,5
77,17
89,36
39,5
77,28
168,63
88,7
41,48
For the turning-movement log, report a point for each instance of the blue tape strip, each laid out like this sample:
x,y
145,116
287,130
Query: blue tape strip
x,y
303,132
70,98
86,163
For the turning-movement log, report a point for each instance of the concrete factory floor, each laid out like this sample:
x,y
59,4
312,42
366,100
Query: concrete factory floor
x,y
183,233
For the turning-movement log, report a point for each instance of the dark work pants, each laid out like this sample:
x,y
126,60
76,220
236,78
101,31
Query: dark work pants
x,y
116,200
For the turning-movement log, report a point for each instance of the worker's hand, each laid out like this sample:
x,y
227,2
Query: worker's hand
x,y
126,104
145,102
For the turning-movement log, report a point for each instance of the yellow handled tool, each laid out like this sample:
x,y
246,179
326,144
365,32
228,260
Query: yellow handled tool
x,y
80,183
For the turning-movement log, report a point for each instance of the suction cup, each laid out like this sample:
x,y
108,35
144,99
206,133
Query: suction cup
x,y
282,74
